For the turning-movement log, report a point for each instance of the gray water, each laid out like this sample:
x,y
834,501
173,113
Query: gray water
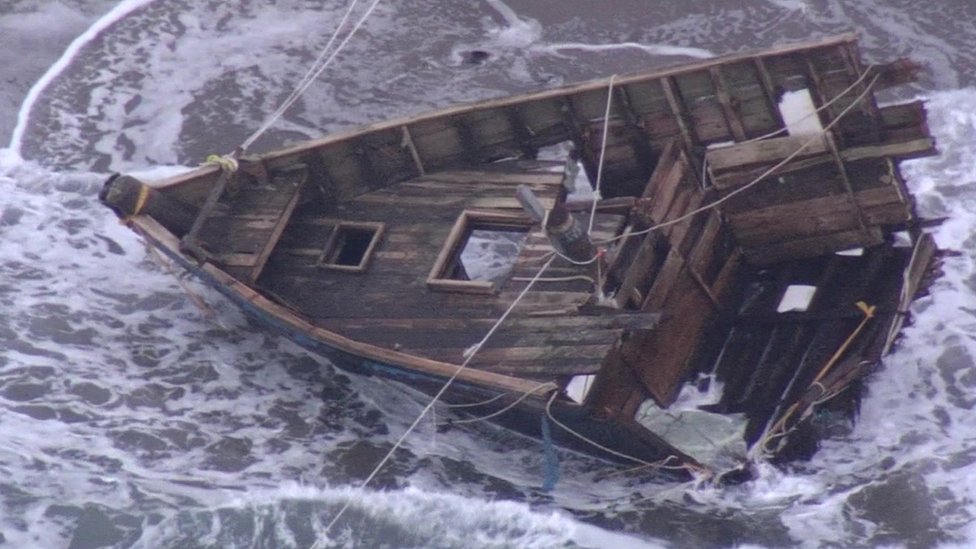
x,y
130,417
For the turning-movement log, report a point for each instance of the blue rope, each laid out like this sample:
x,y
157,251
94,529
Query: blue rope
x,y
551,462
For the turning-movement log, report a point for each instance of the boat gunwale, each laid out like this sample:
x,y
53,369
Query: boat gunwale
x,y
511,100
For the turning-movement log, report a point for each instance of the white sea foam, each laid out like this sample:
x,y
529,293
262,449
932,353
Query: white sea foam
x,y
120,11
652,49
118,395
421,519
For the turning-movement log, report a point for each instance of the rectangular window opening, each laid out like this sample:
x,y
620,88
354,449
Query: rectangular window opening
x,y
480,252
350,246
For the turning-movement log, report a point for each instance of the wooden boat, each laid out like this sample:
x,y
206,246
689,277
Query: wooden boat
x,y
718,205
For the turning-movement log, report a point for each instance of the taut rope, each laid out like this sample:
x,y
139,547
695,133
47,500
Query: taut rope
x,y
316,69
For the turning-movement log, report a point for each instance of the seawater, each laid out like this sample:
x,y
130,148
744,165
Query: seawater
x,y
131,417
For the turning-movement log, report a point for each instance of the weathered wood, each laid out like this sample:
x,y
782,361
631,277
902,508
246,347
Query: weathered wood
x,y
128,197
848,187
696,273
923,253
642,271
261,258
803,218
813,246
772,92
904,150
661,358
765,151
414,153
190,241
679,112
725,100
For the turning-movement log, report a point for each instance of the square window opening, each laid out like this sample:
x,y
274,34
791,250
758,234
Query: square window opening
x,y
350,246
480,252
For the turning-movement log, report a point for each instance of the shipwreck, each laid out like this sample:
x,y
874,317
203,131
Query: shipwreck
x,y
744,234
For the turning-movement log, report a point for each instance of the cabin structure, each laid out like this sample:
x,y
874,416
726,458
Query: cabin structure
x,y
752,231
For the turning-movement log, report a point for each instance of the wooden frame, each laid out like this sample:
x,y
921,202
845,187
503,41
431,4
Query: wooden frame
x,y
339,237
450,255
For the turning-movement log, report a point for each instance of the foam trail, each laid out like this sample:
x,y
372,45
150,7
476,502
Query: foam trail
x,y
507,13
117,13
655,49
791,5
531,29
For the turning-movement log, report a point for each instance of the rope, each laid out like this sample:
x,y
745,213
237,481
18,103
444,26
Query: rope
x,y
758,179
195,298
603,151
644,464
475,348
821,107
497,413
735,192
475,404
227,163
778,430
570,278
314,71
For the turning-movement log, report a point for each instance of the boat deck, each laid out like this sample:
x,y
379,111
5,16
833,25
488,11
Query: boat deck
x,y
392,304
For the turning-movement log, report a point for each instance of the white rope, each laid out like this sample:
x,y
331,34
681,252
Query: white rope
x,y
476,347
820,108
758,179
317,68
603,152
497,413
570,278
662,464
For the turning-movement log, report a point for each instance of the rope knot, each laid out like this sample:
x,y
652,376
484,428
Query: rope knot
x,y
227,163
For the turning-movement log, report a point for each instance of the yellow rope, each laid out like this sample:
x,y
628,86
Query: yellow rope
x,y
779,428
227,163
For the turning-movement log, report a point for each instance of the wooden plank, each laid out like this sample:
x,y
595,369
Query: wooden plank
x,y
708,122
734,179
869,104
705,247
191,240
488,176
842,170
679,112
819,94
923,254
420,334
770,91
813,246
261,258
491,358
725,100
665,195
915,148
881,205
158,234
661,358
414,153
764,151
641,273
664,283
